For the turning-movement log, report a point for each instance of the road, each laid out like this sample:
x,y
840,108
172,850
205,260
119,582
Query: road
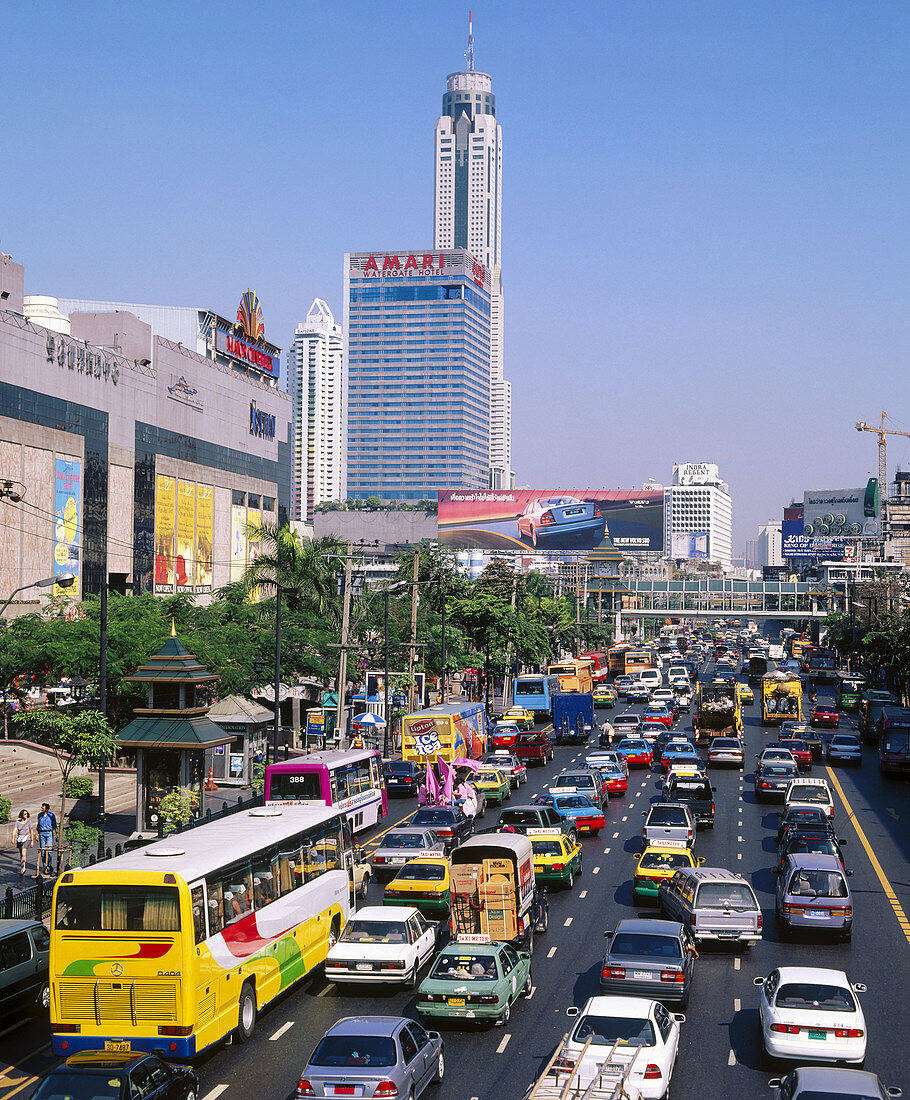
x,y
720,1046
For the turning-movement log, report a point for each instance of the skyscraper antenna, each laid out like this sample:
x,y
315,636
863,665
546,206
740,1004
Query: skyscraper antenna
x,y
470,41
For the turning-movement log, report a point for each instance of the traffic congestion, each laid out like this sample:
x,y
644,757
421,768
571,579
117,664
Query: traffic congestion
x,y
696,889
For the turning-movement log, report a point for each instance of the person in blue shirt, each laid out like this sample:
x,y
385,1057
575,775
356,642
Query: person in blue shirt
x,y
47,831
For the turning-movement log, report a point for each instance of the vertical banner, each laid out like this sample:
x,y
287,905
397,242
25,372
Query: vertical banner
x,y
238,541
165,507
205,536
184,559
254,519
67,510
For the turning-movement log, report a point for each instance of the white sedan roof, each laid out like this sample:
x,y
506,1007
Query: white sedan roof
x,y
384,912
813,974
632,1008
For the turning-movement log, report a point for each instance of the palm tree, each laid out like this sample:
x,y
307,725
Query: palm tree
x,y
307,570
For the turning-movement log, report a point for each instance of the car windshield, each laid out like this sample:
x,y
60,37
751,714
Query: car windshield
x,y
607,1030
354,1050
724,743
530,739
433,817
830,998
644,945
72,1086
802,793
816,845
573,802
575,780
726,895
632,746
846,741
375,931
403,840
654,861
667,815
467,967
797,746
489,777
519,817
808,883
546,847
433,872
896,742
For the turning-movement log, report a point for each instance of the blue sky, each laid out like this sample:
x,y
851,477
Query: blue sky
x,y
705,231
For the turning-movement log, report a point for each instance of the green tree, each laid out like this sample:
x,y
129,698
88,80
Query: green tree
x,y
84,739
308,569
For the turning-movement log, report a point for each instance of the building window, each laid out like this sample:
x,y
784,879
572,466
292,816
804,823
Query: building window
x,y
237,497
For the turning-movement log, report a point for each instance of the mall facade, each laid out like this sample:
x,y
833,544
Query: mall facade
x,y
129,458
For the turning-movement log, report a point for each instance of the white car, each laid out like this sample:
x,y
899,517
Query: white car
x,y
608,756
684,771
632,1025
382,943
808,791
810,1014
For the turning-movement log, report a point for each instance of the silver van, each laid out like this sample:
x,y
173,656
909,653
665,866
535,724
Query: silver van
x,y
714,904
812,894
24,948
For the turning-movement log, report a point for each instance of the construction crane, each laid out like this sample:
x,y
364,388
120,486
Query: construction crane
x,y
883,434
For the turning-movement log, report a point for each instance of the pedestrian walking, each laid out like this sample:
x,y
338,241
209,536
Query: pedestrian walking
x,y
47,833
23,838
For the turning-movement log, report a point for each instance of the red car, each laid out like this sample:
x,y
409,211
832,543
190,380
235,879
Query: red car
x,y
505,734
659,714
802,754
825,714
533,747
637,753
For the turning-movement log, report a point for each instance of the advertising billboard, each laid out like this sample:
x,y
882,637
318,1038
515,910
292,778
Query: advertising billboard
x,y
696,473
67,526
552,519
185,541
690,544
238,541
205,536
842,514
165,507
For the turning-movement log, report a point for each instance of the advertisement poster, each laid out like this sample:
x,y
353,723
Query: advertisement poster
x,y
552,519
690,544
67,511
838,514
186,535
254,520
238,541
205,536
165,507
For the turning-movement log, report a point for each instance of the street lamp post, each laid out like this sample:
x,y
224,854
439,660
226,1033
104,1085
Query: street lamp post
x,y
64,580
387,715
277,673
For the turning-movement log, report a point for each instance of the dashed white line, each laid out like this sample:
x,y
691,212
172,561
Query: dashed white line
x,y
737,1004
631,805
322,992
551,952
615,835
215,1092
583,894
624,819
739,838
739,855
567,922
731,1060
736,963
596,871
606,851
281,1031
504,1042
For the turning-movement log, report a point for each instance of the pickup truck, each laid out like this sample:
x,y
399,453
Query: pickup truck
x,y
694,792
525,819
533,747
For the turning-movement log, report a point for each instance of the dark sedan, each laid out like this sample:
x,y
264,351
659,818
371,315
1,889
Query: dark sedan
x,y
118,1077
450,825
800,816
772,780
806,840
401,777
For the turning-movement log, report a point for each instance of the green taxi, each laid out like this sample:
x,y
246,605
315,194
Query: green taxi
x,y
605,697
557,858
660,860
496,785
522,718
474,979
422,882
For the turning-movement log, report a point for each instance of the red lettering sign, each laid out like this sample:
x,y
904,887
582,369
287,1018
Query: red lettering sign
x,y
411,261
422,726
389,262
370,265
428,260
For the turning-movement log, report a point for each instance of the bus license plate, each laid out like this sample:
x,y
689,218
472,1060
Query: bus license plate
x,y
456,1002
120,1046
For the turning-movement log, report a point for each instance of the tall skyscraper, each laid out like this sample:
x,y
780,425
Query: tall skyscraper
x,y
699,514
316,382
418,361
467,214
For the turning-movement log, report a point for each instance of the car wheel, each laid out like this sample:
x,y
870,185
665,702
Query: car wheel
x,y
508,797
363,887
533,535
571,879
410,981
580,868
848,936
505,1016
43,1000
526,992
246,1013
440,1066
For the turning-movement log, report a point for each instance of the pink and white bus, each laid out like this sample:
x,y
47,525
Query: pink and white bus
x,y
349,780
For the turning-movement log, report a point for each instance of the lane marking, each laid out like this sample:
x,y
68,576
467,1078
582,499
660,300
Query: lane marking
x,y
504,1042
739,855
731,1059
606,851
583,894
737,1004
551,952
322,992
215,1092
736,963
739,838
624,819
631,805
596,871
567,922
284,1027
873,859
397,825
615,835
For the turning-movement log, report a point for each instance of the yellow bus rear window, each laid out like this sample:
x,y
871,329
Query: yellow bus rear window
x,y
117,908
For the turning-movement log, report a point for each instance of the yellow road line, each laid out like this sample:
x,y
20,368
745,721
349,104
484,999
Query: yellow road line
x,y
28,1081
397,825
873,859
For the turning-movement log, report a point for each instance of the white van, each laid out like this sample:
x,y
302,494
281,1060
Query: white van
x,y
651,678
809,791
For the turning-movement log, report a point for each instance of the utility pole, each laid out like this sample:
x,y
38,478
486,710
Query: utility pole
x,y
412,658
507,672
343,653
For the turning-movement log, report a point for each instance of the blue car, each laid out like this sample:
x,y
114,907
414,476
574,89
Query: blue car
x,y
581,810
638,693
677,752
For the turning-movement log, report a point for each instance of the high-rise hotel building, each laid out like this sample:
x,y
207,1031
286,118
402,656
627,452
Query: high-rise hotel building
x,y
316,384
418,367
468,214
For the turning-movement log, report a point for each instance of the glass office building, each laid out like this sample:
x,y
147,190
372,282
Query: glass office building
x,y
418,331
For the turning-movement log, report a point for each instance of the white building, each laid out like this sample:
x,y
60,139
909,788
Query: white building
x,y
769,550
699,514
467,214
317,385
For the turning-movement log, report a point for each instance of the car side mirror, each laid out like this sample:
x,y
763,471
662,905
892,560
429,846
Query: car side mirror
x,y
644,813
758,981
859,987
849,874
841,842
679,1017
775,1083
608,933
895,1091
571,1011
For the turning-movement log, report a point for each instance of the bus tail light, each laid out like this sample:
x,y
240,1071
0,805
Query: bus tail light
x,y
171,1030
68,1029
304,1088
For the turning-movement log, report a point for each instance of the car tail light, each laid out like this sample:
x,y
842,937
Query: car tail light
x,y
559,866
175,1031
672,976
596,513
547,517
758,924
848,1032
379,859
483,999
304,1088
391,966
386,1088
787,1029
652,1072
444,832
690,834
766,786
614,972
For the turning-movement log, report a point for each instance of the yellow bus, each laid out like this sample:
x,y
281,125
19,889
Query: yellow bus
x,y
636,661
574,675
617,655
178,945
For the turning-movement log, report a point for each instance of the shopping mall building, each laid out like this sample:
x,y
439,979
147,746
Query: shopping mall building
x,y
130,455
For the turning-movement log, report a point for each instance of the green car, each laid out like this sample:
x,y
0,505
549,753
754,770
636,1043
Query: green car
x,y
605,699
557,858
496,785
475,981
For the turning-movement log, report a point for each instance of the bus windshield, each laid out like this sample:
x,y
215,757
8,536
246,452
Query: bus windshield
x,y
306,786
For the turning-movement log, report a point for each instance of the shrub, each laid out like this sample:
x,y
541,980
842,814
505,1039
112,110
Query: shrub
x,y
83,839
79,786
178,806
5,807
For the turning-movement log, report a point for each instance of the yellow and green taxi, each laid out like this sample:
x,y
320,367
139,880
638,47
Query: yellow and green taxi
x,y
746,694
496,785
422,882
661,859
557,857
522,717
604,696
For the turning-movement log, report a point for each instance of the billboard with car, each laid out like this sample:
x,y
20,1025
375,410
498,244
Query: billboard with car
x,y
552,519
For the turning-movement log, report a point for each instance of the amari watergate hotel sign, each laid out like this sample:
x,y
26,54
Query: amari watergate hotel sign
x,y
244,341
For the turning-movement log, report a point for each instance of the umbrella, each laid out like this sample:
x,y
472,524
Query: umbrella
x,y
369,719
